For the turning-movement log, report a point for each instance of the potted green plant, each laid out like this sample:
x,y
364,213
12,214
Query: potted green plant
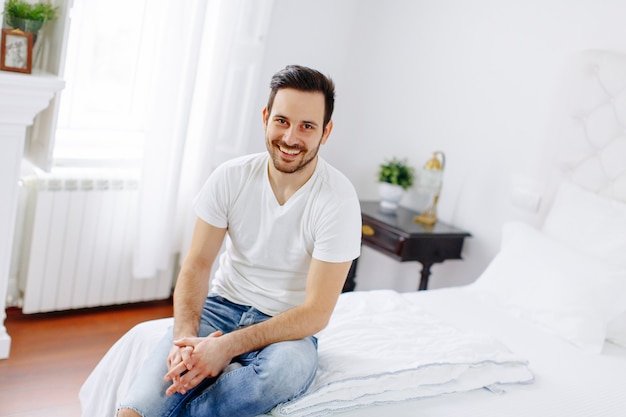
x,y
395,176
28,17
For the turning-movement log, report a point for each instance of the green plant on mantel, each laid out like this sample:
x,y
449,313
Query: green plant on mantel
x,y
397,172
18,12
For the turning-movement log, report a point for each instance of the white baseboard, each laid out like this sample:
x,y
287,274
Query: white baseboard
x,y
5,345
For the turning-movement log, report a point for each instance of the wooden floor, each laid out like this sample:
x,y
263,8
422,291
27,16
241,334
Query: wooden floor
x,y
52,354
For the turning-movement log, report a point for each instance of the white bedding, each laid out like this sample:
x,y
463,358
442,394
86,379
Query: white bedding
x,y
565,379
380,347
569,381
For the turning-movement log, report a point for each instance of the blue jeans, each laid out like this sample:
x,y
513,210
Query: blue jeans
x,y
267,377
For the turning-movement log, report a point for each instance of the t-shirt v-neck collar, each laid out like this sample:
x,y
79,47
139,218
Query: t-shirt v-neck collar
x,y
298,192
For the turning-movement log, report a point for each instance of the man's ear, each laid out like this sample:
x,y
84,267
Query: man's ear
x,y
327,130
265,116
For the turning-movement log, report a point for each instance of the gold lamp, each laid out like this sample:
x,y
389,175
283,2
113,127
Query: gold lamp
x,y
431,179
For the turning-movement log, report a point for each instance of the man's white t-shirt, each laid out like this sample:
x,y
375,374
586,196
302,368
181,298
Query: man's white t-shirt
x,y
269,247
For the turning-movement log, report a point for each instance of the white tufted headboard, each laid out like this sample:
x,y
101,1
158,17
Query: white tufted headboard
x,y
591,139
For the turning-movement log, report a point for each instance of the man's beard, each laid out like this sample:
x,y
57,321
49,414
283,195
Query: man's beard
x,y
287,168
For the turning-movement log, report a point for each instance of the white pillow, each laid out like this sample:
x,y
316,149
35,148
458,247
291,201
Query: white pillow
x,y
564,291
593,224
596,226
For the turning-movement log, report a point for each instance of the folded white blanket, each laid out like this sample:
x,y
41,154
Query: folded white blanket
x,y
381,348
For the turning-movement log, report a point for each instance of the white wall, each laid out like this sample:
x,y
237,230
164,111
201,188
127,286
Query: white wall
x,y
476,79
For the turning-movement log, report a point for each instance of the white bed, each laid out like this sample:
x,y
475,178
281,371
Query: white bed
x,y
542,332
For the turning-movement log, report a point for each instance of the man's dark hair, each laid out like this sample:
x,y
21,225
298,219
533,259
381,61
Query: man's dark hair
x,y
304,79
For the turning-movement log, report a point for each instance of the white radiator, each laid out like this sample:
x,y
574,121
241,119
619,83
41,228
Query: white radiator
x,y
77,243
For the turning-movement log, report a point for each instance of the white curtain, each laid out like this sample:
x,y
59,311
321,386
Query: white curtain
x,y
198,49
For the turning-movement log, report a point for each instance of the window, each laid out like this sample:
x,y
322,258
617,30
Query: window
x,y
109,67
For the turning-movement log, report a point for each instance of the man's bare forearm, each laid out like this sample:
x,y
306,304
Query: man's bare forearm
x,y
192,285
189,297
294,324
323,288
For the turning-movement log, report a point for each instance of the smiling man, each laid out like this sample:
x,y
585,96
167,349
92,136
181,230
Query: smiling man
x,y
291,225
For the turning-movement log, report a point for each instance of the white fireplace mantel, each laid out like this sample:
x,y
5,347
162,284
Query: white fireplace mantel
x,y
22,97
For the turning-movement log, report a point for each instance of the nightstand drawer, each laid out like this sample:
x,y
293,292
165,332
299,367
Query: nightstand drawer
x,y
382,238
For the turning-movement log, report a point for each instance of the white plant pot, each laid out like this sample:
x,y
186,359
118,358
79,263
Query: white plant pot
x,y
390,196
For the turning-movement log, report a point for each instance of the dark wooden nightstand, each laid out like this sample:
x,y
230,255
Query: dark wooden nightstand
x,y
399,236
